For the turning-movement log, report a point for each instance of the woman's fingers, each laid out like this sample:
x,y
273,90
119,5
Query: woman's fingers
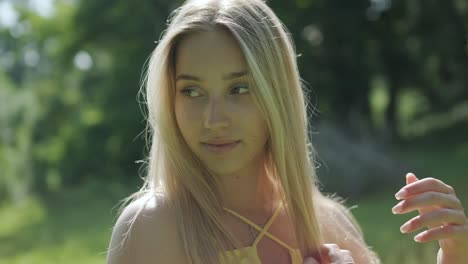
x,y
434,218
342,257
410,178
336,255
439,210
427,199
443,232
310,260
421,186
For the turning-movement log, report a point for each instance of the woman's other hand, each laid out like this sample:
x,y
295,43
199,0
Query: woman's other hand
x,y
440,211
333,255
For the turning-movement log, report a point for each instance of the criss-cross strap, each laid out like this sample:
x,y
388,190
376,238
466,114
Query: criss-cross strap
x,y
263,231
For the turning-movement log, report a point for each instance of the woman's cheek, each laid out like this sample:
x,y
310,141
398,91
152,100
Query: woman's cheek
x,y
187,110
248,116
186,116
242,105
193,112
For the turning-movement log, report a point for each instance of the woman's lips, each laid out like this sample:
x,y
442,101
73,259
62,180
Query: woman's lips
x,y
220,148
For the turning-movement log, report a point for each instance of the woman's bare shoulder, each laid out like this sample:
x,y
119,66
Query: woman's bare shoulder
x,y
145,231
334,216
339,226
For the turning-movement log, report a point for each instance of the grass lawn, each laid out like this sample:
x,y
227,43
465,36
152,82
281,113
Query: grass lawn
x,y
74,226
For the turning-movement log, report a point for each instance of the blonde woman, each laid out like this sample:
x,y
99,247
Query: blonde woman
x,y
231,172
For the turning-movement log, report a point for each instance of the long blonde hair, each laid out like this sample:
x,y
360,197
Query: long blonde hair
x,y
180,178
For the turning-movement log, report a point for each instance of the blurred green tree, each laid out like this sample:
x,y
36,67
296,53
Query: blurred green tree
x,y
69,81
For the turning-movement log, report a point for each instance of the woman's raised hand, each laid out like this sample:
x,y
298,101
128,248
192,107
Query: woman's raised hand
x,y
440,211
333,255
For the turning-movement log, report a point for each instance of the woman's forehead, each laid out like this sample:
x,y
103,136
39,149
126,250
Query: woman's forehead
x,y
213,52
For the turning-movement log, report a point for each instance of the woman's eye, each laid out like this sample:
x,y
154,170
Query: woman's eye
x,y
240,89
189,92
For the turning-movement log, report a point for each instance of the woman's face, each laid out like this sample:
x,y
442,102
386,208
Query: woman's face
x,y
214,108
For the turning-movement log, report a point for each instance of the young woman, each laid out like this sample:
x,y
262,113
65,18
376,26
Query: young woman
x,y
231,172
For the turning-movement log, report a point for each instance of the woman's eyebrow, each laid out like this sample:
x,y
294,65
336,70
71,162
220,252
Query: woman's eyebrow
x,y
228,76
234,75
187,77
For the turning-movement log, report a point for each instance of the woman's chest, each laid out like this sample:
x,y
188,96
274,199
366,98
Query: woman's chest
x,y
274,244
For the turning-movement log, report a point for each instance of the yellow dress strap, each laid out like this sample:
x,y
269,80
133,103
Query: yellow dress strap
x,y
277,240
263,231
267,226
245,219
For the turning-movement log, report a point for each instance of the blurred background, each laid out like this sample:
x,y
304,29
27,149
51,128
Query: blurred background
x,y
387,82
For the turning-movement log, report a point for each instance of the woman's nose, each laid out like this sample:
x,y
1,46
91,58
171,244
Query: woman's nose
x,y
216,116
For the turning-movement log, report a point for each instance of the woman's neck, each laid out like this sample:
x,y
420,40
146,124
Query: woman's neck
x,y
249,191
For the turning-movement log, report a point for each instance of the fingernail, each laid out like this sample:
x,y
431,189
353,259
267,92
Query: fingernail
x,y
401,194
418,238
397,208
404,228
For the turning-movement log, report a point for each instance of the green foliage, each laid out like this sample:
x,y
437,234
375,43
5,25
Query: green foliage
x,y
19,110
69,82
